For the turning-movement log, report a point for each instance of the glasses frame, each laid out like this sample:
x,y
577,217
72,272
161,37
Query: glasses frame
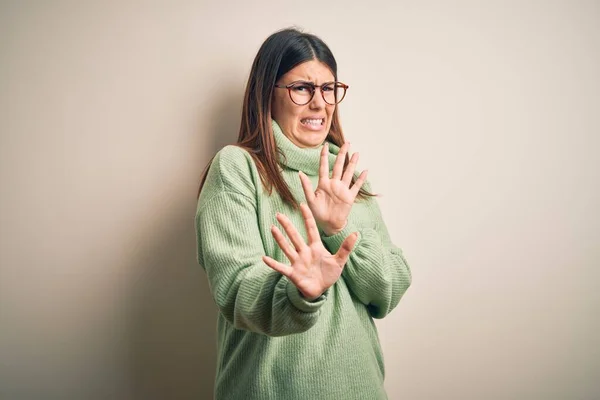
x,y
314,89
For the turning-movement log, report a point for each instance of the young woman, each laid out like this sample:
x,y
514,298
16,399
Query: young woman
x,y
296,316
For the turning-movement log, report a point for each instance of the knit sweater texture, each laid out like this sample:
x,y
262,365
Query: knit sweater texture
x,y
272,342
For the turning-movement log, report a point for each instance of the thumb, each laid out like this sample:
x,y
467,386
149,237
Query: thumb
x,y
306,187
347,245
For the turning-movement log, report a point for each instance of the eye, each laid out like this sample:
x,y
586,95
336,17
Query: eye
x,y
328,88
301,88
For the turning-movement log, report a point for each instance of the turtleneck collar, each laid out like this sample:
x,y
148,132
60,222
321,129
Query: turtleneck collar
x,y
298,158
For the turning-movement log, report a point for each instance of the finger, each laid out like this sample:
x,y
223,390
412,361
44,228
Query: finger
x,y
311,225
338,167
359,182
346,247
349,172
324,163
307,187
277,266
291,231
283,244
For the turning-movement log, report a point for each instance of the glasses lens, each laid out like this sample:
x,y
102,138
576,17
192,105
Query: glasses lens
x,y
301,93
333,93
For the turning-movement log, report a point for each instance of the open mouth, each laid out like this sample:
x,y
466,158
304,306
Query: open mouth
x,y
312,122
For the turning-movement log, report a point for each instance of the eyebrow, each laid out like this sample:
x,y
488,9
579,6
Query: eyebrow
x,y
303,81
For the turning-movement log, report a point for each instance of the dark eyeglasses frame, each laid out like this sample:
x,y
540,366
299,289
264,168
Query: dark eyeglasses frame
x,y
314,89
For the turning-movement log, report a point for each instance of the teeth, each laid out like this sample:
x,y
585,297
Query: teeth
x,y
313,121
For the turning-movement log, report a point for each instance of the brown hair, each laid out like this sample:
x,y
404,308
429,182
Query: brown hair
x,y
280,52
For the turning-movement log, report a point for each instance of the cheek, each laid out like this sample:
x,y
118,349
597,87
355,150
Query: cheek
x,y
289,112
295,114
330,113
280,108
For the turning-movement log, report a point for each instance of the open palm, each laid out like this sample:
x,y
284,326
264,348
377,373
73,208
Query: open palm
x,y
313,269
332,201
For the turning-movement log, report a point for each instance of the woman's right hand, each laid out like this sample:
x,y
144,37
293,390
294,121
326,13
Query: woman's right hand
x,y
313,269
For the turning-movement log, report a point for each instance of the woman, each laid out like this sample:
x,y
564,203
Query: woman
x,y
295,319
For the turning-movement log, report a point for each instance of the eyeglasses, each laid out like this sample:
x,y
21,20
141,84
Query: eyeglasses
x,y
302,92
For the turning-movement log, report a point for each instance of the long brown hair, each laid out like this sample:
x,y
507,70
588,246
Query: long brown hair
x,y
280,52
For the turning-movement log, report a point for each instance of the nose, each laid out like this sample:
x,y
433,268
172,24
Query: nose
x,y
317,101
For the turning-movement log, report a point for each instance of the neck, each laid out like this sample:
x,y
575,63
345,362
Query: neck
x,y
305,159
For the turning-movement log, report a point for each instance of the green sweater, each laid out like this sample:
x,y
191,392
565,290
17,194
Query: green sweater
x,y
273,343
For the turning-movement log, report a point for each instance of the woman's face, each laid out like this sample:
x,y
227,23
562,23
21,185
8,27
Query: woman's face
x,y
292,117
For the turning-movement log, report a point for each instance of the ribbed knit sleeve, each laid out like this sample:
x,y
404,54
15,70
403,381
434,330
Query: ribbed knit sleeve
x,y
376,271
249,294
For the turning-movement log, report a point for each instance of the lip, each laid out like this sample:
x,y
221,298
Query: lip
x,y
314,117
313,127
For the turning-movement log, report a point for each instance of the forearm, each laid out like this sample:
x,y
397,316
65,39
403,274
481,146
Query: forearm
x,y
248,293
263,301
376,271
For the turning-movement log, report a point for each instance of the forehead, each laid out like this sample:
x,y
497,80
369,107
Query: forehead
x,y
312,71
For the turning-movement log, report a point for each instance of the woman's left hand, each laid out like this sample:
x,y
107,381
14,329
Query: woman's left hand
x,y
332,201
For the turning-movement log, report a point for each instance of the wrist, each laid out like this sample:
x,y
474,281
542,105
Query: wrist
x,y
331,232
309,298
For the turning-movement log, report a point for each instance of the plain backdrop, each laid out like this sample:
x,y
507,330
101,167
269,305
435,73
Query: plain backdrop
x,y
479,122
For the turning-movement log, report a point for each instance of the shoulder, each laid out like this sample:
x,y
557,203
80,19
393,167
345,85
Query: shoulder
x,y
233,153
232,169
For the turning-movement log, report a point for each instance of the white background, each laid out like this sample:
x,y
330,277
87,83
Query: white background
x,y
479,123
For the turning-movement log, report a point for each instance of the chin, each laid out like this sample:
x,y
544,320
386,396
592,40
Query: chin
x,y
311,144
